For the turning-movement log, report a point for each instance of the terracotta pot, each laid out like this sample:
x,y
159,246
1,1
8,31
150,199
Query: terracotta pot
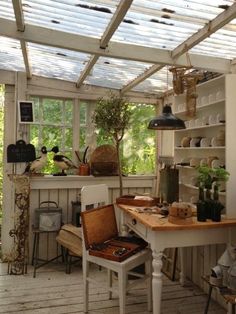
x,y
84,170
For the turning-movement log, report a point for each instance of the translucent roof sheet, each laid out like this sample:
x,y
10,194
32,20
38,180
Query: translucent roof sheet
x,y
162,25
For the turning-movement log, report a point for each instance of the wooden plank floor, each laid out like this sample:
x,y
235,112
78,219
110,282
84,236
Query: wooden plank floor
x,y
54,292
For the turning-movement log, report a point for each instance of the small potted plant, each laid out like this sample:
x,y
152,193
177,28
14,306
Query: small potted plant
x,y
208,177
204,181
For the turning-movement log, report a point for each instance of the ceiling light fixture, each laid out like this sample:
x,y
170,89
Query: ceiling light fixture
x,y
166,121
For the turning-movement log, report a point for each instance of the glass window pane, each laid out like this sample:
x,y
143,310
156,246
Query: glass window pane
x,y
68,139
52,111
51,136
83,107
34,136
68,112
82,137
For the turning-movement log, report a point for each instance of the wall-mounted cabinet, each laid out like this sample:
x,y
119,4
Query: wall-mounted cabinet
x,y
208,138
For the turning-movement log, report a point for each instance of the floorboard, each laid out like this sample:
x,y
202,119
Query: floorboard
x,y
55,292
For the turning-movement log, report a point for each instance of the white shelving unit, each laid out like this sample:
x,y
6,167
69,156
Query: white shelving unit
x,y
210,124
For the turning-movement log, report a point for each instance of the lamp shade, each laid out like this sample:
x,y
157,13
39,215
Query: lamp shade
x,y
166,121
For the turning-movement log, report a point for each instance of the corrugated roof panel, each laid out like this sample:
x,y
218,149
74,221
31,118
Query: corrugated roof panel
x,y
158,83
11,57
79,17
115,72
7,10
58,63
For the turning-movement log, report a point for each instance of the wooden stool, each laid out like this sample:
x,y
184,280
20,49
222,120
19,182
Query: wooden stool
x,y
228,294
36,261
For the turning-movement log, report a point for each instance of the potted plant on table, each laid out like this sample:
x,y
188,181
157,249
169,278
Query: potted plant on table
x,y
208,207
113,114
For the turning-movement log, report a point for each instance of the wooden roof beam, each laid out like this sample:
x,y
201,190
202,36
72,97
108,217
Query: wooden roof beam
x,y
75,42
141,78
17,6
117,18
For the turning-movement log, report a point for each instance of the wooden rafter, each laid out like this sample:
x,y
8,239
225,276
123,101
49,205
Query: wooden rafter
x,y
17,5
117,18
153,69
221,20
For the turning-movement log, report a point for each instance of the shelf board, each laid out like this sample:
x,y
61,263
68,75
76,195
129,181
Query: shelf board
x,y
200,148
185,167
202,107
201,127
193,187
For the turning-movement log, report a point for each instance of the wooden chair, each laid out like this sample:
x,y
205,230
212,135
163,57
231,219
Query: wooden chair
x,y
98,195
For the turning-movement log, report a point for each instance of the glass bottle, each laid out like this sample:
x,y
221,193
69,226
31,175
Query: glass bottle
x,y
201,205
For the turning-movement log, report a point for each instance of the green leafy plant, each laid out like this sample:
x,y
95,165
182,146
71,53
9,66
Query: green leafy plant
x,y
204,177
113,114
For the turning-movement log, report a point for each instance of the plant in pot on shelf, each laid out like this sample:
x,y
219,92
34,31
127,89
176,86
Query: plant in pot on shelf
x,y
204,180
112,114
208,207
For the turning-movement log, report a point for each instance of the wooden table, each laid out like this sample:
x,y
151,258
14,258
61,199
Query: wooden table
x,y
161,234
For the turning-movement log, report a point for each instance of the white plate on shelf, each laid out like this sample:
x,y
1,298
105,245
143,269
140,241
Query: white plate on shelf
x,y
212,119
212,97
204,100
205,142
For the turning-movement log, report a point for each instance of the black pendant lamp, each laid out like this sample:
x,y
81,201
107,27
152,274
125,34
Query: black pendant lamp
x,y
166,121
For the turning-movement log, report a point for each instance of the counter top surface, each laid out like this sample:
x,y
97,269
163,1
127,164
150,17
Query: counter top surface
x,y
158,223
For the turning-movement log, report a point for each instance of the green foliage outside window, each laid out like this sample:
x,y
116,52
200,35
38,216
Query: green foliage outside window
x,y
138,146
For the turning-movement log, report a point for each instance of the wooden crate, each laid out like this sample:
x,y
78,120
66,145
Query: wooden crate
x,y
101,235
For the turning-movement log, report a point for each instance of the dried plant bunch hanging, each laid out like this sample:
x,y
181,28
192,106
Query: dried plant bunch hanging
x,y
190,81
178,73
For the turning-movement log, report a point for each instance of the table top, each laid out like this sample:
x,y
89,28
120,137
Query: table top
x,y
158,223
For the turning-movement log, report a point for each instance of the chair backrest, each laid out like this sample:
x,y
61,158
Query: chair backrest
x,y
93,196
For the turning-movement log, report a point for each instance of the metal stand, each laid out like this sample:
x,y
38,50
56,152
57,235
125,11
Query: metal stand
x,y
36,261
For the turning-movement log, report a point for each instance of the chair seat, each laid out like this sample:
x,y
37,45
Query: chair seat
x,y
126,265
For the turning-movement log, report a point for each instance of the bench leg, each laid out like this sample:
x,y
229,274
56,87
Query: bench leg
x,y
208,300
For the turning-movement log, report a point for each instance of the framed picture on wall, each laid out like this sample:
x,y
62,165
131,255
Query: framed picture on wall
x,y
25,111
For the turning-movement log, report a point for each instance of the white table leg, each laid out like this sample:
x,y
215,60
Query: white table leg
x,y
182,276
157,281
